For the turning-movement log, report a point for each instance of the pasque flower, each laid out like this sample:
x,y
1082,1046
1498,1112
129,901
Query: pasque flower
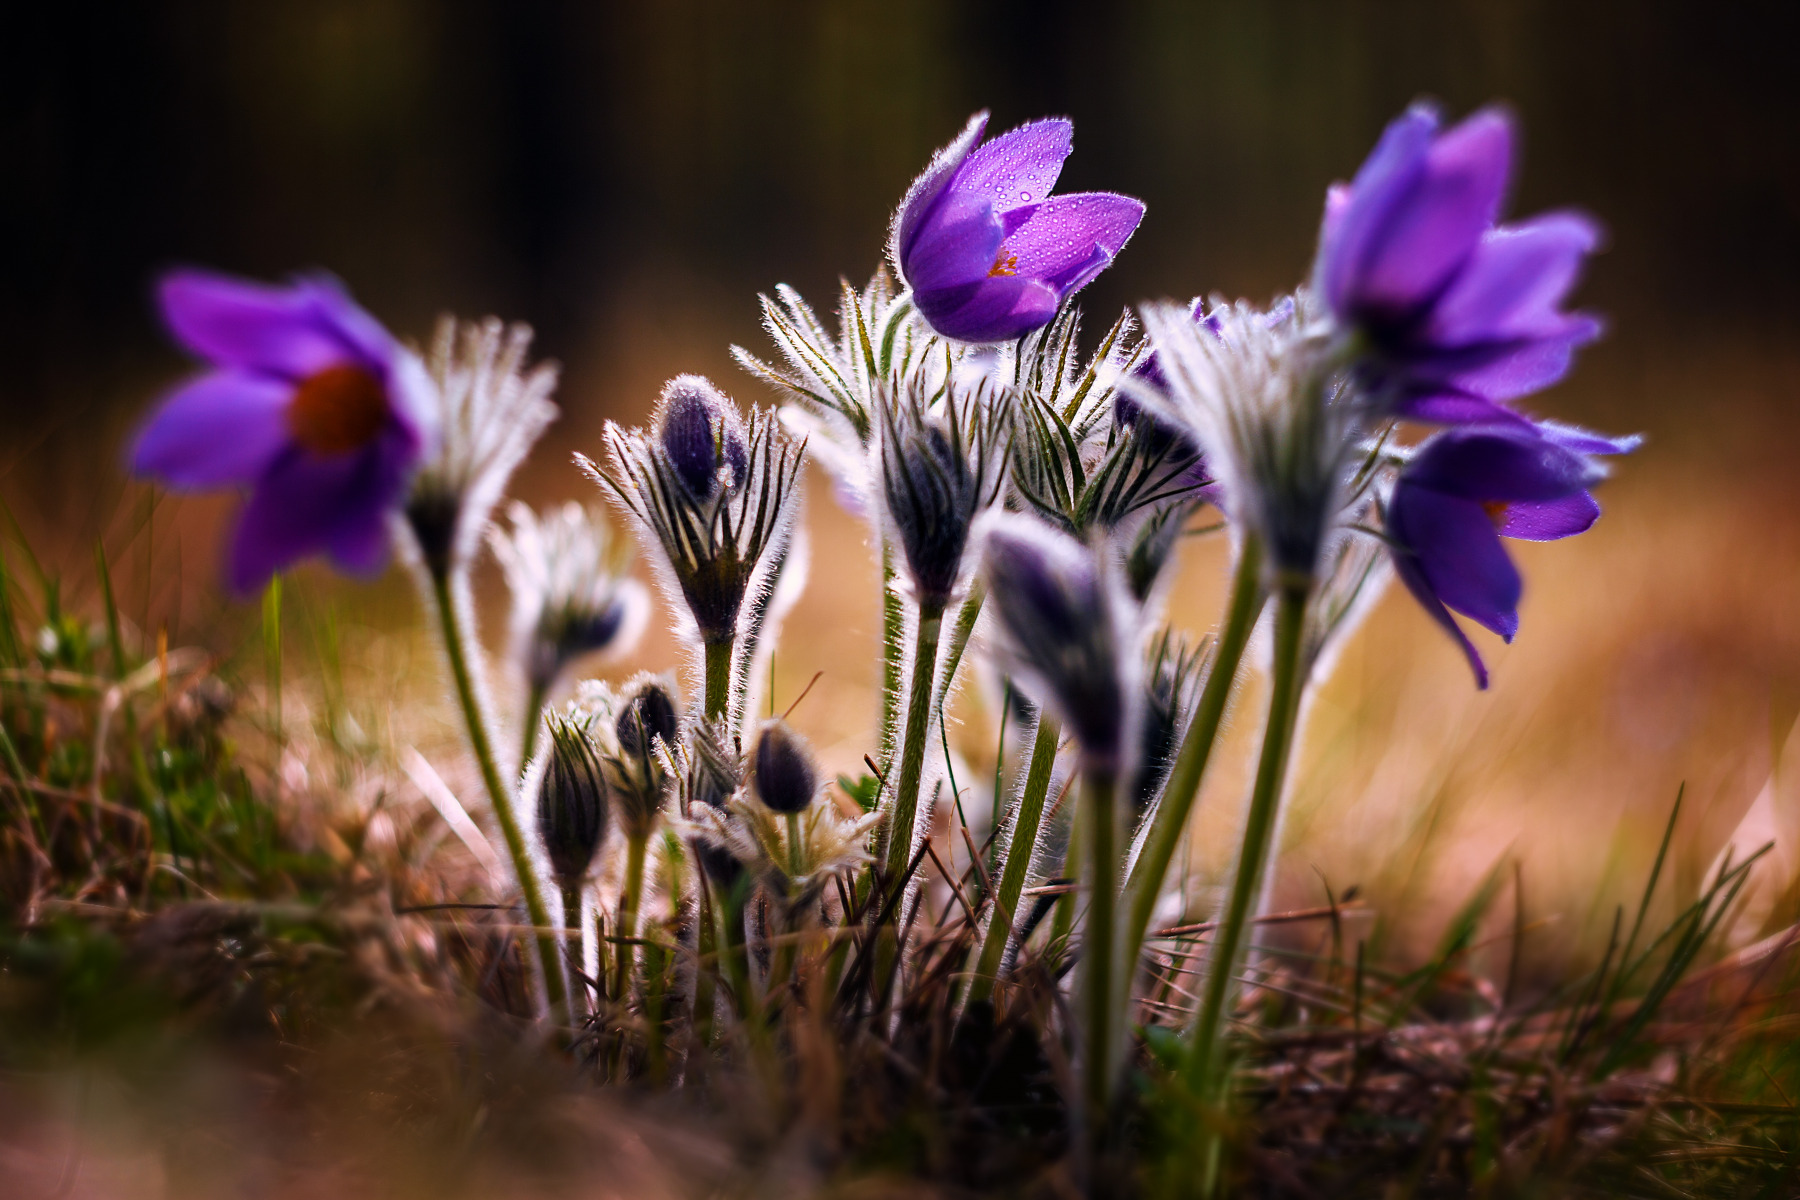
x,y
988,253
1455,313
310,403
1467,488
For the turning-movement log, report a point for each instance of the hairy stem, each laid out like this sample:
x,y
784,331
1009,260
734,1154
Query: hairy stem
x,y
1101,1006
534,713
450,620
1020,847
1203,1067
718,678
893,635
1247,600
912,748
571,901
628,913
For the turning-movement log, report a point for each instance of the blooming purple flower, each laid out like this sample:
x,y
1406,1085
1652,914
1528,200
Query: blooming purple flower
x,y
988,253
310,402
1467,488
1457,314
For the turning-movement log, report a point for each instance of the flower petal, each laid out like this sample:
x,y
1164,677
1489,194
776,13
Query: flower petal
x,y
1459,554
958,246
1507,370
922,196
1020,166
997,309
1436,224
1549,520
222,428
1451,407
1356,215
305,504
236,323
1407,568
1586,441
1507,463
1067,240
1514,281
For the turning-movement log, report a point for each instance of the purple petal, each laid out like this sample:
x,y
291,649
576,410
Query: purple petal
x,y
996,309
958,246
1586,441
239,324
1501,463
1548,520
1020,166
334,308
1456,408
360,548
305,504
1067,240
925,190
1459,554
1431,229
1381,182
1511,369
1407,568
1514,282
221,428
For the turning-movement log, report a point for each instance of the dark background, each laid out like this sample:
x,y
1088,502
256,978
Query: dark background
x,y
626,177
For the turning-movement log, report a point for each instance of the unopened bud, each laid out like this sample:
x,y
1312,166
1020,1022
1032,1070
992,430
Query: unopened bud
x,y
782,767
703,437
573,801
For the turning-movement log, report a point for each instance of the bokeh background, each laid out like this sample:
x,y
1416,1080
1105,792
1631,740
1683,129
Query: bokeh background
x,y
627,177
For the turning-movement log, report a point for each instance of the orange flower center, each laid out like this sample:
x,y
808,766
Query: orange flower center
x,y
337,410
1004,264
1496,511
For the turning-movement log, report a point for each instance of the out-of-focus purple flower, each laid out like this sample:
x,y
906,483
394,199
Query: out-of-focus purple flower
x,y
1457,314
988,253
310,402
1467,488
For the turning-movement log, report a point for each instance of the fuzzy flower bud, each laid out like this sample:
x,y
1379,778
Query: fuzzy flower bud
x,y
1061,626
703,437
649,715
785,776
573,801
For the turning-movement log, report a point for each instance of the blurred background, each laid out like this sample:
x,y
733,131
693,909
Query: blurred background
x,y
627,177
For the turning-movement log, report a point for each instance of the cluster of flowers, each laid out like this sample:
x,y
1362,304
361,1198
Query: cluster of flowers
x,y
1011,486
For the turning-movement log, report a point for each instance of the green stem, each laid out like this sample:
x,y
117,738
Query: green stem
x,y
571,900
732,948
795,860
893,636
705,947
1101,827
718,678
1062,921
1183,787
966,616
1021,845
534,717
628,912
1203,1063
450,620
912,748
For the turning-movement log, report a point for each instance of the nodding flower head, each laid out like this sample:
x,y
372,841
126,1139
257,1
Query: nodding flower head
x,y
712,494
570,594
1065,631
1257,391
942,466
988,253
782,769
1452,312
492,411
702,436
573,800
1465,489
309,402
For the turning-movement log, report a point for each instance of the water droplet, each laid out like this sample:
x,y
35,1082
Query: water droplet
x,y
1025,196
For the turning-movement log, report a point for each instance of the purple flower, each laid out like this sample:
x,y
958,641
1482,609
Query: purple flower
x,y
988,253
310,402
1467,488
1457,314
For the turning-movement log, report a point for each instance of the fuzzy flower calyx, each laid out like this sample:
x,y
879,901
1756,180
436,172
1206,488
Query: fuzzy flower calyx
x,y
571,596
574,798
309,403
493,409
988,253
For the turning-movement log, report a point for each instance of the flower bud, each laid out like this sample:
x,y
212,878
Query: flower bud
x,y
703,437
713,774
573,801
647,716
939,470
782,766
